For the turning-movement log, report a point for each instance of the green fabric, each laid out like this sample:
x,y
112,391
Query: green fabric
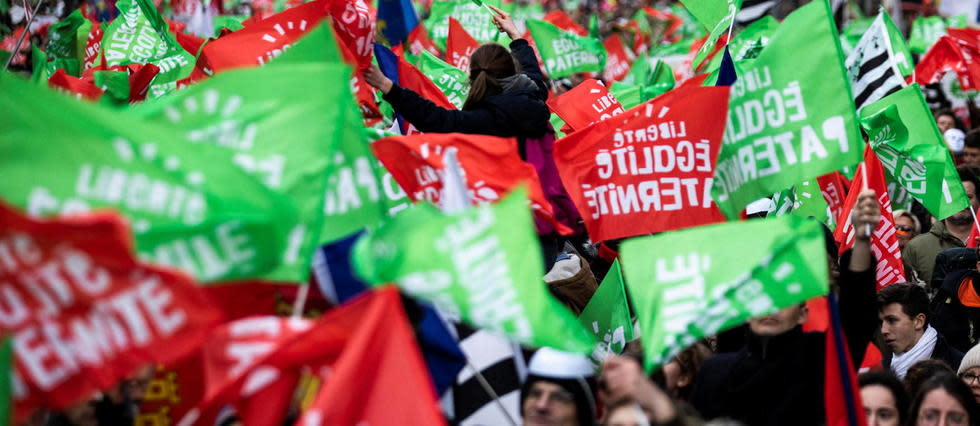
x,y
452,81
684,289
804,200
628,95
607,315
63,42
189,208
482,264
899,48
791,117
564,53
6,380
231,22
925,31
717,17
318,45
904,136
140,36
476,20
749,42
643,83
116,87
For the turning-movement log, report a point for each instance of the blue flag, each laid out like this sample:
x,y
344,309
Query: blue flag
x,y
396,20
726,73
388,64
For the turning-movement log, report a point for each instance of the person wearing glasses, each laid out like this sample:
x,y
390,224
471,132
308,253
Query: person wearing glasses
x,y
906,225
969,371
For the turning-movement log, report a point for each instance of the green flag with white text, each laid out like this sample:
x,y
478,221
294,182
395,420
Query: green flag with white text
x,y
904,136
452,81
716,16
140,36
482,265
188,208
926,30
565,53
607,316
685,289
280,132
474,18
791,117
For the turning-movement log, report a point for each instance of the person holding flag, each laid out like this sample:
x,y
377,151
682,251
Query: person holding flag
x,y
777,378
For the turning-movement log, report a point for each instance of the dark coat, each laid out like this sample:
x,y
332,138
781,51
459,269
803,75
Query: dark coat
x,y
943,352
779,380
518,113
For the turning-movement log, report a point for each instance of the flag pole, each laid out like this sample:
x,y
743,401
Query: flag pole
x,y
975,223
301,300
27,29
489,390
864,187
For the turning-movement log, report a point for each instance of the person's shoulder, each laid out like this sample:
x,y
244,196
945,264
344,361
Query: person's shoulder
x,y
923,240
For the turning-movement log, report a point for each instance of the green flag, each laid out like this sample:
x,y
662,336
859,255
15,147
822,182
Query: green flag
x,y
189,208
749,42
904,136
927,29
685,289
788,119
482,265
565,53
477,21
6,382
804,200
452,81
282,133
68,37
717,16
318,45
607,316
140,36
900,51
647,83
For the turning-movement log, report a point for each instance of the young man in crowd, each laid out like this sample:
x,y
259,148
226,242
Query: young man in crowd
x,y
904,312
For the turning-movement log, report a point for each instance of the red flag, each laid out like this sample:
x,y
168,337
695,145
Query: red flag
x,y
262,40
364,352
884,240
83,88
411,78
950,54
842,401
84,312
618,59
649,170
587,103
93,44
561,20
418,40
971,241
491,166
460,45
353,20
673,22
832,189
362,91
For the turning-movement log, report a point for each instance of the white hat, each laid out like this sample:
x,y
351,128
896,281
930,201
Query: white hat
x,y
553,363
955,138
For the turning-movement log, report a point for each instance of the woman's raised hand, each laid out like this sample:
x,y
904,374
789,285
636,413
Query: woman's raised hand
x,y
377,80
503,22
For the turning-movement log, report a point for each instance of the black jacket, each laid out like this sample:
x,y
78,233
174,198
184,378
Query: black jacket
x,y
943,352
518,113
779,380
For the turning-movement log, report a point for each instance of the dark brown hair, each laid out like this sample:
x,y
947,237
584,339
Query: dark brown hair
x,y
488,64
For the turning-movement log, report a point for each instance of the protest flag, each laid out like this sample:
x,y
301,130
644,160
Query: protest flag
x,y
452,81
396,20
284,134
607,315
819,136
418,41
476,19
155,45
685,290
585,104
618,61
873,66
406,75
561,20
190,209
354,23
927,30
459,46
905,138
102,311
884,240
717,17
842,399
482,265
565,53
492,167
950,54
649,169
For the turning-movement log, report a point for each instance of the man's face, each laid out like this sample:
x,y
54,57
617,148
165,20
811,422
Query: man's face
x,y
780,322
965,217
900,331
945,122
971,156
549,404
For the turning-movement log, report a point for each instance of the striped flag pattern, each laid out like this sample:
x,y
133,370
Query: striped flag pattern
x,y
871,66
502,364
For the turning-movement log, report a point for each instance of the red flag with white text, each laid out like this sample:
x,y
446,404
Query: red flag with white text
x,y
618,59
650,169
587,103
460,45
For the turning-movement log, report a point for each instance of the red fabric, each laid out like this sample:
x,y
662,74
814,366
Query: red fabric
x,y
884,240
102,312
587,103
364,353
950,54
492,168
411,78
832,189
362,91
83,88
674,22
139,81
971,241
93,45
818,320
618,60
561,20
418,40
839,373
263,40
354,22
460,45
649,170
